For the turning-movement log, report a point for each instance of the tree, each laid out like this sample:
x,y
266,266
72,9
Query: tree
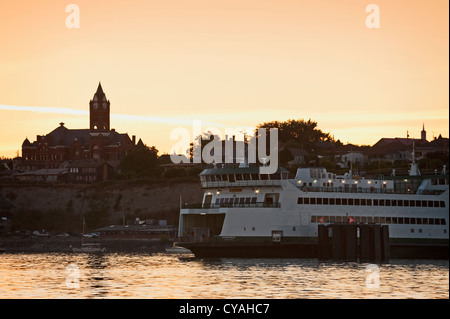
x,y
141,162
302,132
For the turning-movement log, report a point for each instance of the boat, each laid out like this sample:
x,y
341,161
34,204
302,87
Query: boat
x,y
248,214
89,248
177,250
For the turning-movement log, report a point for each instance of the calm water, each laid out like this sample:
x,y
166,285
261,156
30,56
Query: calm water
x,y
174,276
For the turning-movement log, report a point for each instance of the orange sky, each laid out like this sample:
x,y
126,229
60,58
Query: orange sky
x,y
230,62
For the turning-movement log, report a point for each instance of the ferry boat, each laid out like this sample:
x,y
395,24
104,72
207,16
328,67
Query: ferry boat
x,y
247,214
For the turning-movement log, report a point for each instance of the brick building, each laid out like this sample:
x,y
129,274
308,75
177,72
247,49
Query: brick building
x,y
97,143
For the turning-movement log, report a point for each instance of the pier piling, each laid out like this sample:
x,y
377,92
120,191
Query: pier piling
x,y
372,244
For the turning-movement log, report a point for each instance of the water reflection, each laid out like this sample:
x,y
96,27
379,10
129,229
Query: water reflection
x,y
169,276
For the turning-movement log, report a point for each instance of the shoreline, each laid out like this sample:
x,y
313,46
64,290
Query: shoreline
x,y
16,244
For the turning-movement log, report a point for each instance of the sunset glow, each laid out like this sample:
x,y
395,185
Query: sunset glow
x,y
164,64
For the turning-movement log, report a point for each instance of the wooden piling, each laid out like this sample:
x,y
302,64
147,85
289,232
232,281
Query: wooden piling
x,y
350,242
338,249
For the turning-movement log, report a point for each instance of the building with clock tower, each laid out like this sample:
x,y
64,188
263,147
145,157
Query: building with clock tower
x,y
86,148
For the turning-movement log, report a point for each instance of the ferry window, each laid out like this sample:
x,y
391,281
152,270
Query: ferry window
x,y
370,220
350,201
241,200
224,177
254,200
363,219
425,203
442,221
420,230
394,220
293,228
331,201
383,220
375,202
332,219
313,219
325,201
300,200
418,203
255,177
406,203
431,221
344,201
247,200
313,201
307,201
436,204
412,203
319,201
425,221
226,201
221,201
442,203
388,202
400,220
338,201
246,177
338,219
239,177
253,228
413,221
400,202
381,202
377,220
363,202
419,221
326,219
407,220
412,230
357,201
231,178
394,202
264,176
236,201
388,220
217,201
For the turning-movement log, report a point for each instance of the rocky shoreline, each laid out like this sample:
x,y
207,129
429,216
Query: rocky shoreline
x,y
33,244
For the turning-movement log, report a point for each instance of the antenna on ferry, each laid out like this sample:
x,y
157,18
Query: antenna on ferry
x,y
414,171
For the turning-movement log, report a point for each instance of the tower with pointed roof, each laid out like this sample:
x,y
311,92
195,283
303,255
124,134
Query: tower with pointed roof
x,y
423,134
99,113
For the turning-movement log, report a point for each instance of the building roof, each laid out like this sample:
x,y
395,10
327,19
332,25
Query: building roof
x,y
86,163
43,172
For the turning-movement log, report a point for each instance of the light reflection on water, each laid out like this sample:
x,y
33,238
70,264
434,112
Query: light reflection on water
x,y
172,276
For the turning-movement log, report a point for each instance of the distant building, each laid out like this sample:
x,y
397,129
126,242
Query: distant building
x,y
89,171
300,156
44,175
391,149
98,143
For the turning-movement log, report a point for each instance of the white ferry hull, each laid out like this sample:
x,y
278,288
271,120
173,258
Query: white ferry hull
x,y
281,219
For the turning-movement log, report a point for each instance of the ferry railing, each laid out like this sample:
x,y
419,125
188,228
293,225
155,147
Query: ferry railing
x,y
341,189
243,183
232,205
